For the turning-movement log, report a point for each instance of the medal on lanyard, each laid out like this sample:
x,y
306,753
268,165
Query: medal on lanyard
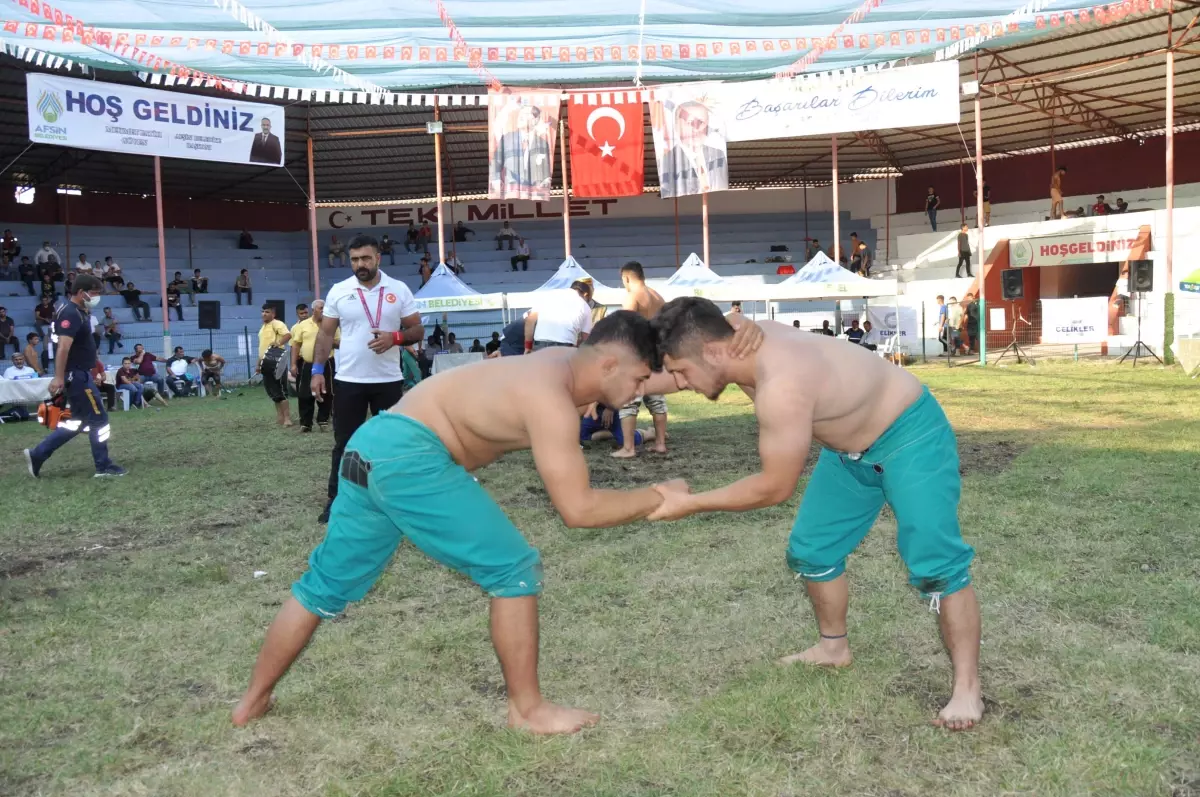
x,y
373,322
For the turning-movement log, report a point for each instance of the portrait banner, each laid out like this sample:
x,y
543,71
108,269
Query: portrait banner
x,y
689,141
522,127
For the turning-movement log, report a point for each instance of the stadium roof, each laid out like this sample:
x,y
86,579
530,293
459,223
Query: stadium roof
x,y
1090,81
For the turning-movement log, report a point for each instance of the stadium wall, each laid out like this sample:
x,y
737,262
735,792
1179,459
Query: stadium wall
x,y
126,210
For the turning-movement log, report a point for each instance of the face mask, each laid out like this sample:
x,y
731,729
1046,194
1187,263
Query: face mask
x,y
93,302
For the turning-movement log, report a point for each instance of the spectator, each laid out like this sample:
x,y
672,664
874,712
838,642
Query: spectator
x,y
182,286
211,366
246,241
10,247
43,316
242,286
32,358
129,382
411,237
8,333
70,281
410,367
19,368
48,290
987,203
1056,192
84,267
493,344
82,263
97,330
852,249
425,271
521,257
562,318
454,264
855,333
796,324
133,298
178,378
113,275
476,347
1122,206
735,307
144,362
452,345
112,330
26,272
100,377
826,329
870,340
460,233
387,247
199,283
100,270
424,236
865,257
337,251
954,322
507,233
932,203
971,314
943,334
1101,208
964,252
47,254
812,250
173,299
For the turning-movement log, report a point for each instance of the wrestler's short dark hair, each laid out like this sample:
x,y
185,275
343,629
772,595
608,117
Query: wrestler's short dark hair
x,y
363,240
685,324
626,328
634,268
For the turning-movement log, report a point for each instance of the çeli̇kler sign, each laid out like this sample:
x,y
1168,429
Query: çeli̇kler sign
x,y
92,115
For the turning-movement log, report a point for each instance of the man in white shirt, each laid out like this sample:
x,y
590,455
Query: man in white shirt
x,y
46,254
377,315
563,318
507,233
18,369
521,258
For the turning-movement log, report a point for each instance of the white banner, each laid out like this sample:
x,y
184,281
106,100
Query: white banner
x,y
454,304
884,323
1102,246
1075,320
92,115
911,96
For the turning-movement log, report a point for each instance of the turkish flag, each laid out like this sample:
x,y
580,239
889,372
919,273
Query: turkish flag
x,y
607,149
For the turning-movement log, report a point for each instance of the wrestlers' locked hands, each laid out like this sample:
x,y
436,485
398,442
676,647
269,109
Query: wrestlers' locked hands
x,y
676,502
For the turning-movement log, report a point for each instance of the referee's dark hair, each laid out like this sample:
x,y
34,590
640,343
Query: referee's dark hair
x,y
363,240
86,282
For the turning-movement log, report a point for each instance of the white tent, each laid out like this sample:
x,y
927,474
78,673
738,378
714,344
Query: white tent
x,y
694,273
822,269
444,282
569,272
446,292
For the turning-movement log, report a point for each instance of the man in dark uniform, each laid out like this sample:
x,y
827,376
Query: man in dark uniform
x,y
73,364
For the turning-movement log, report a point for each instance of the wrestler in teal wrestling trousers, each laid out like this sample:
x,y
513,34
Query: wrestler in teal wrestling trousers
x,y
913,467
398,480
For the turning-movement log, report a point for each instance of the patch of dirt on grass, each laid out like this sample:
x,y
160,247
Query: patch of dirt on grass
x,y
258,747
986,457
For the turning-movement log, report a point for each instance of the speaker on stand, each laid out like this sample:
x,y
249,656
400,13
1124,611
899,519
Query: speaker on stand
x,y
210,318
1141,281
1012,287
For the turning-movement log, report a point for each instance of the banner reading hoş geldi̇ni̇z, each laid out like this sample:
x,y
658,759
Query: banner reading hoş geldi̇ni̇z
x,y
689,141
608,149
92,115
522,127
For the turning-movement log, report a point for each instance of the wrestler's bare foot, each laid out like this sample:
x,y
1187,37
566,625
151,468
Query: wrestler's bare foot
x,y
964,710
245,711
547,718
660,447
826,653
624,453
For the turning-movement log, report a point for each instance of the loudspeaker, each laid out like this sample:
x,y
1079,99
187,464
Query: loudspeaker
x,y
1141,275
1012,283
210,314
279,308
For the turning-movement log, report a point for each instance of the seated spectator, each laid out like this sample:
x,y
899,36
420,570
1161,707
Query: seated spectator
x,y
855,333
100,377
20,369
182,286
521,258
112,330
411,236
49,290
84,267
246,241
211,366
387,247
241,286
460,233
8,333
452,345
454,264
178,379
10,247
173,299
133,298
199,283
70,281
27,273
32,358
870,340
1101,208
47,254
812,250
826,329
43,316
493,344
144,362
425,271
1077,213
113,275
424,236
507,233
337,251
476,347
603,424
82,263
129,382
1122,206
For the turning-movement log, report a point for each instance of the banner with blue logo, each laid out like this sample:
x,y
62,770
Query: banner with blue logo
x,y
910,96
89,114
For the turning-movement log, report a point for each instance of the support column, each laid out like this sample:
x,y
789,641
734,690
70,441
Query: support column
x,y
67,212
1169,297
678,261
887,223
979,219
162,258
837,225
437,161
566,189
704,219
312,223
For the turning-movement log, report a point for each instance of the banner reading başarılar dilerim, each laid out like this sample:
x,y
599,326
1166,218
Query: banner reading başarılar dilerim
x,y
522,127
689,142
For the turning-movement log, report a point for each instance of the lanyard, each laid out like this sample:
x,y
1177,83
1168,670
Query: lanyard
x,y
374,322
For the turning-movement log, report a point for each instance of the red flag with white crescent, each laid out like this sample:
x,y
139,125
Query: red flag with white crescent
x,y
607,148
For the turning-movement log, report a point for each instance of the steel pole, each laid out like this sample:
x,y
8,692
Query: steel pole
x,y
704,218
162,257
837,226
566,190
312,223
437,161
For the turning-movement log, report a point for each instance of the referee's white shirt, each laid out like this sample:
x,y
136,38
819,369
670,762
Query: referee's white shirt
x,y
561,317
356,362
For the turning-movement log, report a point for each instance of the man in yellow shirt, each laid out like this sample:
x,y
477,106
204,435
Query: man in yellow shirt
x,y
304,339
272,337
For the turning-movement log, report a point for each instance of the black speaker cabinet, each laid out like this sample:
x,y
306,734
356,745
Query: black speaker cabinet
x,y
279,306
1141,275
1012,283
210,314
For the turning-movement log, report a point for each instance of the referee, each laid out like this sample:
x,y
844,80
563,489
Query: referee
x,y
73,364
376,315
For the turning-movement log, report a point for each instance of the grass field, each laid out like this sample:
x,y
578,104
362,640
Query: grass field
x,y
130,617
